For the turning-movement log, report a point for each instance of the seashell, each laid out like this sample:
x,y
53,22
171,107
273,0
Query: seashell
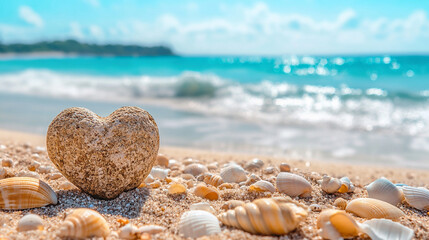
x,y
225,186
293,185
28,174
233,174
24,193
151,229
162,160
189,161
197,223
212,179
204,206
417,197
54,176
213,166
30,222
252,179
346,185
340,203
195,169
149,179
159,173
128,231
269,170
255,164
173,164
207,192
66,186
262,186
188,176
176,188
7,162
231,204
373,208
315,207
330,185
336,224
385,229
84,223
384,190
284,167
33,166
265,216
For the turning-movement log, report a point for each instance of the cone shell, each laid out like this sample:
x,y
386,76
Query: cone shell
x,y
417,197
384,190
84,223
206,192
373,208
330,185
293,185
336,224
24,193
262,186
233,173
30,222
213,179
265,216
386,229
195,169
197,223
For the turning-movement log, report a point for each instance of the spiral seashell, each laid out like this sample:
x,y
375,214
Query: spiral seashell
x,y
330,185
373,208
262,186
204,206
176,188
212,179
84,223
162,160
197,223
195,169
233,173
336,224
340,203
231,204
293,185
30,222
159,173
18,193
346,185
384,190
417,197
207,192
255,164
265,216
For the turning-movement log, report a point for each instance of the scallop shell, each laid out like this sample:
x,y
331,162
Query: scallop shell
x,y
195,169
340,203
197,223
204,206
373,208
255,164
128,231
384,229
233,173
162,160
265,216
346,185
330,185
293,185
417,197
159,173
384,190
207,192
84,223
231,204
25,192
262,186
212,179
30,222
176,188
336,224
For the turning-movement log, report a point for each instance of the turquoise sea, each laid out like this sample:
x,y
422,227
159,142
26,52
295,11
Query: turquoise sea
x,y
360,109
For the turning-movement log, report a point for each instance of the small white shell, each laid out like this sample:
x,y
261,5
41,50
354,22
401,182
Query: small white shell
x,y
330,185
195,169
30,222
128,231
384,190
204,206
151,229
346,185
417,197
233,174
159,173
197,223
384,229
262,186
293,185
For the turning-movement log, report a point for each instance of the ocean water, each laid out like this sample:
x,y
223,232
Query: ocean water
x,y
358,109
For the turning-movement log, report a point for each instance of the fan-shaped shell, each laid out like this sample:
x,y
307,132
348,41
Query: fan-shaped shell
x,y
198,223
195,169
207,192
212,179
204,206
159,173
233,173
265,216
417,197
373,208
330,185
255,164
262,186
346,185
384,190
25,192
293,185
84,223
30,222
337,224
384,229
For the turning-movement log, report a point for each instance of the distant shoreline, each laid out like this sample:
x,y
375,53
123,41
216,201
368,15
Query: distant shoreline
x,y
46,55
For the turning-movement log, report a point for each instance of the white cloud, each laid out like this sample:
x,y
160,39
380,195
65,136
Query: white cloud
x,y
76,30
96,31
30,16
94,3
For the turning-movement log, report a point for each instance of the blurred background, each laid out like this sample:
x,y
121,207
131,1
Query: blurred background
x,y
327,80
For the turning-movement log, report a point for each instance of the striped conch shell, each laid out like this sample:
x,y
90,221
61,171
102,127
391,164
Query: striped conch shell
x,y
384,190
330,184
346,185
417,197
373,208
233,173
266,216
262,186
195,169
207,192
84,223
24,193
293,185
198,223
212,179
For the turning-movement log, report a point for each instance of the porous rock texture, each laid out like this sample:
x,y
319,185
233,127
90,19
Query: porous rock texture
x,y
103,156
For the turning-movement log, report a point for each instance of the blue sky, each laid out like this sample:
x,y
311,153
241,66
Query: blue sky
x,y
226,27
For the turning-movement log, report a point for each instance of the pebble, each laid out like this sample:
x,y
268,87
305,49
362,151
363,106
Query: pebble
x,y
284,167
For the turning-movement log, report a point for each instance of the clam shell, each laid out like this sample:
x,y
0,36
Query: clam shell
x,y
336,224
265,216
212,179
373,208
197,223
346,185
25,192
206,192
293,185
340,203
84,223
330,185
231,204
384,190
176,188
417,197
159,173
262,186
233,174
204,206
384,229
195,169
255,164
30,222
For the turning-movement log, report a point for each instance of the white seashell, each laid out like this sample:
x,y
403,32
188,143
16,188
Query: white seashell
x,y
159,173
233,174
293,185
346,185
195,169
197,223
173,163
128,231
384,229
262,186
30,222
204,206
330,185
417,197
269,170
255,164
252,179
384,190
151,229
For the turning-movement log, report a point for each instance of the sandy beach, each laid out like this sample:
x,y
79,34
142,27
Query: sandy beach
x,y
146,205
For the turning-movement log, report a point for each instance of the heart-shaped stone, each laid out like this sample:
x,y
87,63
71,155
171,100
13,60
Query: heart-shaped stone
x,y
103,156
